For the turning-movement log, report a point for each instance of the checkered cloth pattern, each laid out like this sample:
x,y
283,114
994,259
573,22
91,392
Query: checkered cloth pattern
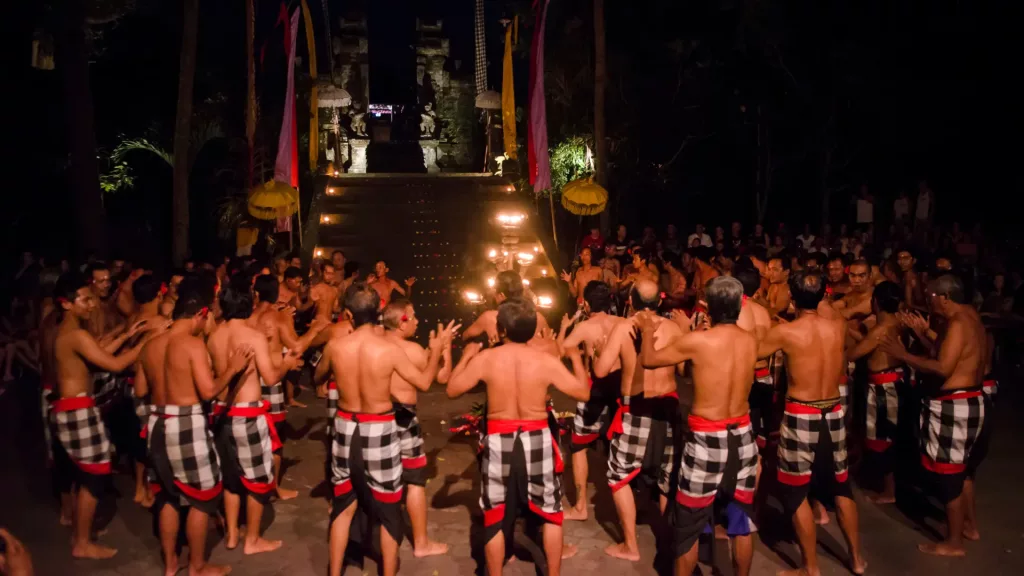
x,y
762,404
543,468
883,407
410,436
332,399
844,388
106,388
705,456
591,418
799,437
480,36
79,428
252,440
381,453
188,446
274,393
990,387
628,448
950,426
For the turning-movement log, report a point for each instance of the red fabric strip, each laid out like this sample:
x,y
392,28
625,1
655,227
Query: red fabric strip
x,y
387,497
559,464
258,487
797,408
624,482
959,395
761,441
71,404
343,488
101,469
762,372
511,426
554,518
204,495
365,417
616,425
877,445
584,438
415,463
494,515
694,501
884,377
941,467
743,496
279,417
700,424
793,479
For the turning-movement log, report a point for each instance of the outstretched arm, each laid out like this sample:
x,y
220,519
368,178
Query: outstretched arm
x,y
676,352
87,347
421,380
865,345
772,342
468,373
949,353
573,384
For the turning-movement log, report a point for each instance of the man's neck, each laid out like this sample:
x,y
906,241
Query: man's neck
x,y
262,307
70,319
149,309
181,327
800,313
395,335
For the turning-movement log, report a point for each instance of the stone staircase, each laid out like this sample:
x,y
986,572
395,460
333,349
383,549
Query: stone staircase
x,y
438,228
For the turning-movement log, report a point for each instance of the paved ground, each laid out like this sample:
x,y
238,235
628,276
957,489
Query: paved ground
x,y
889,536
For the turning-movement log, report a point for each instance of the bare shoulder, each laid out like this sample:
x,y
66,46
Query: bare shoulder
x,y
413,350
667,328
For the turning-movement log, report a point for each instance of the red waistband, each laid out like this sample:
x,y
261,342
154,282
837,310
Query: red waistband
x,y
762,372
510,426
959,395
218,408
248,411
989,383
886,376
76,403
842,379
700,424
359,417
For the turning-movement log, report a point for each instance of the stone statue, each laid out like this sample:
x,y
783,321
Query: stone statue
x,y
358,123
427,120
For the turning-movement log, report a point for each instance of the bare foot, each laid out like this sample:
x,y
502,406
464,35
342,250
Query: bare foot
x,y
286,493
431,548
798,572
140,494
170,566
971,533
882,498
231,540
622,552
571,513
941,549
260,545
293,403
858,566
210,570
569,550
820,514
92,551
147,501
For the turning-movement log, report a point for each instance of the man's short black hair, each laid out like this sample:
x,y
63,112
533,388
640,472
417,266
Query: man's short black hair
x,y
807,288
192,299
342,252
236,298
836,256
517,319
267,288
784,260
724,295
69,284
598,296
292,272
351,269
509,284
363,303
749,277
146,288
94,267
673,259
887,296
950,286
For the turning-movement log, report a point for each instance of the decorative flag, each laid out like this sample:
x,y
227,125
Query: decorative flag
x,y
314,129
540,165
286,168
508,96
481,49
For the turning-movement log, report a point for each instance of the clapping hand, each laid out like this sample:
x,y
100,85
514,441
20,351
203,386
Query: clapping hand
x,y
410,281
913,320
566,277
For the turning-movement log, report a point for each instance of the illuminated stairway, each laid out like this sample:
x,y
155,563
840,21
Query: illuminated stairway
x,y
433,227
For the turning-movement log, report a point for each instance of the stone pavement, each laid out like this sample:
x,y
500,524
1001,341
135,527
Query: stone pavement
x,y
889,536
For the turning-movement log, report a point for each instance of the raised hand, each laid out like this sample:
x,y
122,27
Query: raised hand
x,y
239,359
644,321
410,281
371,278
566,277
682,320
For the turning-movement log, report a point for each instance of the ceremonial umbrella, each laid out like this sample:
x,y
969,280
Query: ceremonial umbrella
x,y
273,200
330,96
584,198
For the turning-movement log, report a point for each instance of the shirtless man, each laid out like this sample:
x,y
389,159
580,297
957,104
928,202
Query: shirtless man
x,y
325,294
83,456
247,437
913,293
400,323
279,328
703,271
385,286
291,285
677,283
583,276
646,420
594,416
167,306
366,453
955,413
777,297
754,319
855,307
886,381
105,319
519,448
837,284
813,435
174,369
507,285
123,300
723,368
641,269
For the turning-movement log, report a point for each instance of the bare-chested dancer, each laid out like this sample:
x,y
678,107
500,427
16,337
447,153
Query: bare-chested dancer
x,y
855,307
720,456
813,436
955,413
777,297
171,296
519,449
885,384
507,285
594,416
325,293
247,437
366,452
646,420
837,284
701,258
913,291
279,328
385,286
174,369
585,274
754,318
105,319
84,454
124,299
400,323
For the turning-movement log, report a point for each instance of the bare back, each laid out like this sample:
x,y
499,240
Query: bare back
x,y
635,379
72,372
593,334
966,344
151,363
401,389
179,384
362,363
517,378
814,349
232,335
723,371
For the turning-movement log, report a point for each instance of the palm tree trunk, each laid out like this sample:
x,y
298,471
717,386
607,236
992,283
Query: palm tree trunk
x,y
600,80
83,170
182,132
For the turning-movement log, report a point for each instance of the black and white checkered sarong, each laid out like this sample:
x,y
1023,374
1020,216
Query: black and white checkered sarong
x,y
79,428
950,426
641,434
274,393
182,452
541,474
801,432
332,400
414,459
252,443
705,456
381,453
883,406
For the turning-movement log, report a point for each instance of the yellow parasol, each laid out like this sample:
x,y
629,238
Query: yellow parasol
x,y
273,200
583,197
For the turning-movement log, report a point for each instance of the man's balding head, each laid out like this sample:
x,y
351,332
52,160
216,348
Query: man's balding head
x,y
362,303
645,296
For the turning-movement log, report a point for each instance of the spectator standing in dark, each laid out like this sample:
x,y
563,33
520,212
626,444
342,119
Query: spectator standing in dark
x,y
594,241
702,237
